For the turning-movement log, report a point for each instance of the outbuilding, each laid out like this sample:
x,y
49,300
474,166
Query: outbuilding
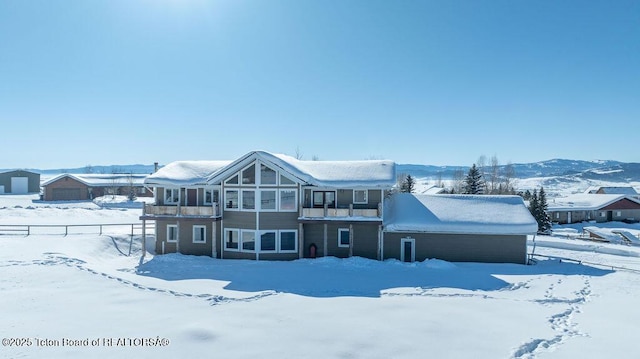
x,y
19,182
83,187
457,228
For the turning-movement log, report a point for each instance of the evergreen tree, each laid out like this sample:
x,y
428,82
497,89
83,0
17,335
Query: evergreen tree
x,y
544,222
408,185
473,183
538,209
527,195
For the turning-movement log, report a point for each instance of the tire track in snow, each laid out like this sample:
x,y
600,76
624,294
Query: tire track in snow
x,y
213,299
562,323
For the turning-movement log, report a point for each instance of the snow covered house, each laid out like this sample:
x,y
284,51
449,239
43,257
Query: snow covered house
x,y
625,190
270,206
594,207
83,187
457,228
275,207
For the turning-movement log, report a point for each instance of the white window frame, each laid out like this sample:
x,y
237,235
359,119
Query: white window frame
x,y
255,175
366,196
292,184
255,199
413,248
256,245
238,200
228,180
212,191
340,245
276,177
295,200
170,200
168,232
618,213
198,228
235,232
603,214
276,238
279,241
276,197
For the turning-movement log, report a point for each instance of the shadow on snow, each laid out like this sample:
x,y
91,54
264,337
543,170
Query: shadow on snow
x,y
334,277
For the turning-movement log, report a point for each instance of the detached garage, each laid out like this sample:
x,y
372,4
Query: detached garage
x,y
19,182
457,228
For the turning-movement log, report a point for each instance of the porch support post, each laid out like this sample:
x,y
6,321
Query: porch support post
x,y
351,240
300,241
324,241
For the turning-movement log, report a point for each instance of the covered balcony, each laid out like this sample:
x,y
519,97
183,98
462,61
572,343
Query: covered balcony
x,y
151,210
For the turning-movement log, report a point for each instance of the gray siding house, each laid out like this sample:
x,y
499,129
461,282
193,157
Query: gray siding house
x,y
594,207
266,206
19,182
270,206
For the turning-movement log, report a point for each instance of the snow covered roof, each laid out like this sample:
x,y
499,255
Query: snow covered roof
x,y
102,180
584,202
627,190
348,174
433,190
185,173
464,214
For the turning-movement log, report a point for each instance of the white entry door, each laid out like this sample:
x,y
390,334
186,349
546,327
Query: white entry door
x,y
19,185
407,249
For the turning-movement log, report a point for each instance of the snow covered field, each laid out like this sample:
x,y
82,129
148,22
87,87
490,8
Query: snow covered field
x,y
82,295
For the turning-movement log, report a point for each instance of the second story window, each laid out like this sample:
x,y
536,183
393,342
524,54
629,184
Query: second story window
x,y
231,199
320,198
171,195
360,196
210,196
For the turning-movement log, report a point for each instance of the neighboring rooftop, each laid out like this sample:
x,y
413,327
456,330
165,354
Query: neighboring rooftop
x,y
626,190
584,201
101,180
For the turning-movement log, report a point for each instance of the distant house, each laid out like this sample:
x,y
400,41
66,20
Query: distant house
x,y
457,228
19,182
594,207
625,190
81,187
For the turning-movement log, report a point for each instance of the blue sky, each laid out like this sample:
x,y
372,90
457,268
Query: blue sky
x,y
429,82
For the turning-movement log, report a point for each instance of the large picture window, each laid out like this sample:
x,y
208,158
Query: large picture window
x,y
248,241
268,200
249,175
231,239
320,198
288,200
231,199
248,200
268,242
288,241
267,175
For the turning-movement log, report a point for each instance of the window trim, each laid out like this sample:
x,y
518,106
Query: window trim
x,y
171,201
237,207
237,232
255,177
366,196
276,176
204,194
255,241
295,241
204,233
167,238
295,200
340,231
292,184
277,202
275,239
242,200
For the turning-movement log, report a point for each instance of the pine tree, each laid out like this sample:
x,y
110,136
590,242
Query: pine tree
x,y
544,222
408,185
473,183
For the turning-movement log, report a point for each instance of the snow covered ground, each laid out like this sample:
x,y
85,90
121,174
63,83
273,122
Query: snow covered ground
x,y
82,295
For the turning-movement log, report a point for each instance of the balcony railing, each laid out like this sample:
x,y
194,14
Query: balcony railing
x,y
342,212
184,211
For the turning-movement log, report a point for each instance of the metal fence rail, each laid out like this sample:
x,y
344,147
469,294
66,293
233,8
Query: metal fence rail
x,y
28,229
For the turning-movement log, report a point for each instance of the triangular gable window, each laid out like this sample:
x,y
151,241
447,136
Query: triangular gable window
x,y
267,175
285,181
232,180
